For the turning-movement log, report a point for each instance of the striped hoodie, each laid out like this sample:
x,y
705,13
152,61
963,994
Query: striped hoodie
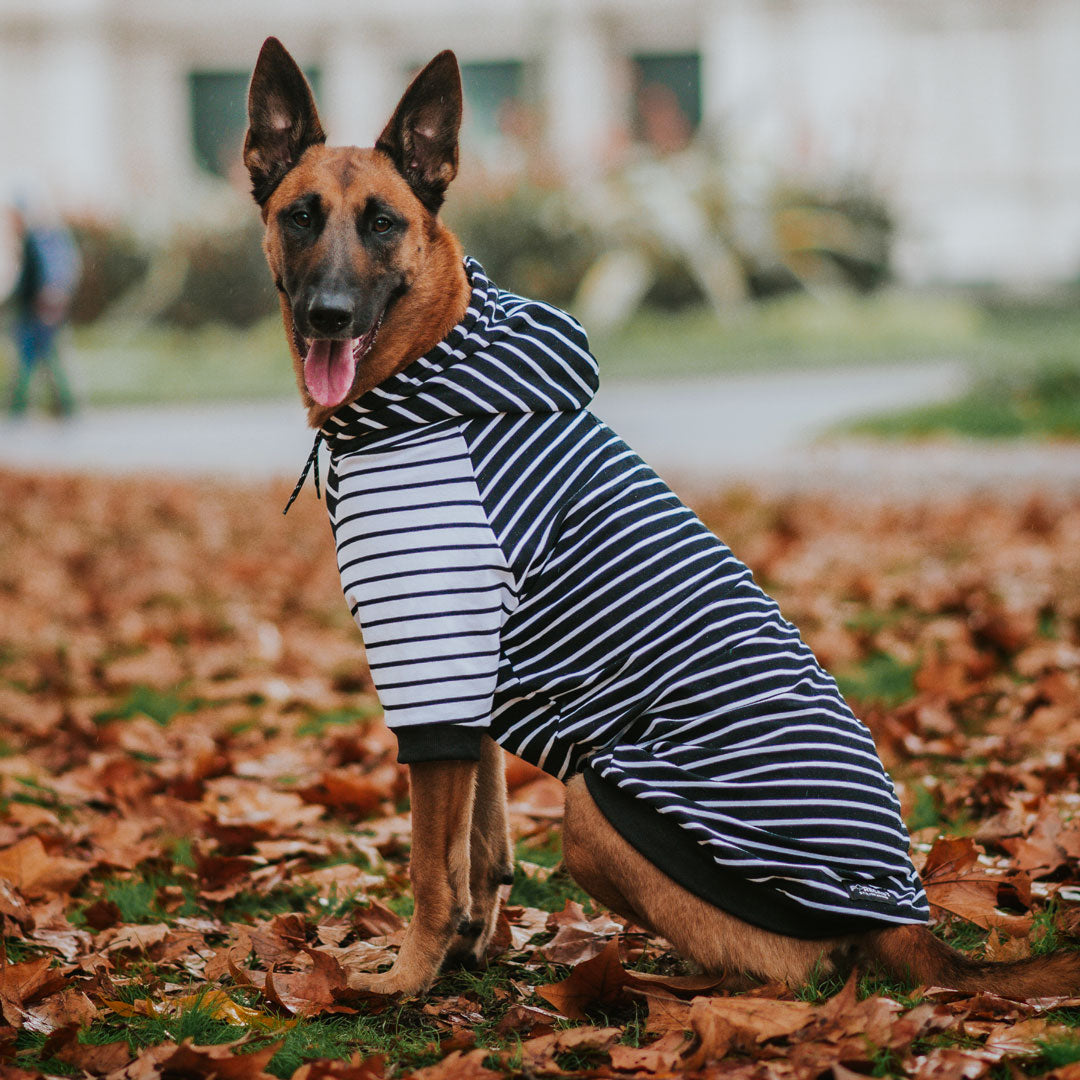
x,y
518,571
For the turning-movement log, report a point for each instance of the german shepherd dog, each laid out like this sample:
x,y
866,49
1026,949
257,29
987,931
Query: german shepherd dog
x,y
370,280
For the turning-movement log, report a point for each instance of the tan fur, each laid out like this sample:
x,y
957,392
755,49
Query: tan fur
x,y
460,859
442,809
622,879
491,857
461,853
609,868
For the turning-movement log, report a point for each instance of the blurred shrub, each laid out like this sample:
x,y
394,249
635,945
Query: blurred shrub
x,y
113,262
193,278
835,237
226,281
526,241
684,221
673,286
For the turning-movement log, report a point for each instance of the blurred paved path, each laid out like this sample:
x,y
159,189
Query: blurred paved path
x,y
698,433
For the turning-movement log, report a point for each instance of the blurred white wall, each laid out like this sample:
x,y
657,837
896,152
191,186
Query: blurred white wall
x,y
961,112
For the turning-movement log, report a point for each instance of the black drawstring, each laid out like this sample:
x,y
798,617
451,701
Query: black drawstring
x,y
312,461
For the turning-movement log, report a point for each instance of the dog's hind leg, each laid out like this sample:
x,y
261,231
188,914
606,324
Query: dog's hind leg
x,y
491,863
622,879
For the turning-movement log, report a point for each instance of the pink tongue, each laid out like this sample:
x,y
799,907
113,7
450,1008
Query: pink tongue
x,y
329,370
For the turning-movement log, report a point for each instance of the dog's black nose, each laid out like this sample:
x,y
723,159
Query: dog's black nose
x,y
329,313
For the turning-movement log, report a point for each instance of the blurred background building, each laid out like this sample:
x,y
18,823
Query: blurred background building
x,y
959,114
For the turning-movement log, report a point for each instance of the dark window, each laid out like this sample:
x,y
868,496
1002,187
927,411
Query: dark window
x,y
489,87
219,116
668,100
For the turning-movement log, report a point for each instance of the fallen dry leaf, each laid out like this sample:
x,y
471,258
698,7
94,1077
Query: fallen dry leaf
x,y
30,869
599,981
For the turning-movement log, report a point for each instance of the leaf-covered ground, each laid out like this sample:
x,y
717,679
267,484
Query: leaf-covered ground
x,y
203,830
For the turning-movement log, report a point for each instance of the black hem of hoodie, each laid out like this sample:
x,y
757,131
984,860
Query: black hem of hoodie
x,y
671,849
439,742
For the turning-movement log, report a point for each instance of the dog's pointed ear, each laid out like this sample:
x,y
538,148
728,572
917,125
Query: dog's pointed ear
x,y
422,136
282,121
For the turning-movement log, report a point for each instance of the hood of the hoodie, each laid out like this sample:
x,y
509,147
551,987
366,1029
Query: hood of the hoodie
x,y
507,355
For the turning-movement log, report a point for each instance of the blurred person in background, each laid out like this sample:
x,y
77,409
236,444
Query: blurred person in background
x,y
49,271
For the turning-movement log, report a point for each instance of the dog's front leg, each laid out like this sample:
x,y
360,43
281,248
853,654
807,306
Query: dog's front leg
x,y
442,793
491,861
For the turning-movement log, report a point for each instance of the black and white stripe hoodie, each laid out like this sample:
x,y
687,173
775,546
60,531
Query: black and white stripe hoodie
x,y
517,570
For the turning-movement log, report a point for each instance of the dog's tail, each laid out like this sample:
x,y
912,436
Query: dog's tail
x,y
914,954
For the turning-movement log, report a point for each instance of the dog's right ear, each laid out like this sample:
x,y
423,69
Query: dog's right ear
x,y
282,121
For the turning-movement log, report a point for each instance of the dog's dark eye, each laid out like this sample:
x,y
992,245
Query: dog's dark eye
x,y
381,224
301,219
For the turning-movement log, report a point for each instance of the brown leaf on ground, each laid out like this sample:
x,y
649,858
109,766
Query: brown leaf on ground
x,y
359,1068
360,793
1041,851
975,899
251,805
23,984
102,915
666,1012
218,964
540,1053
28,867
955,883
218,1061
577,936
526,1020
949,859
949,1063
60,1010
1002,949
376,920
663,1057
688,985
457,1065
320,989
96,1059
1023,1039
131,937
599,981
750,1020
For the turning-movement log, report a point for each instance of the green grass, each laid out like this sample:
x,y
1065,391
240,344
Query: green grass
x,y
880,679
194,1022
320,722
546,852
796,332
925,811
137,899
159,705
159,364
32,793
549,894
404,1032
1057,1052
1039,401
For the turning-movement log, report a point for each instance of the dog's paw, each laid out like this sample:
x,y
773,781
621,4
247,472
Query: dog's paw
x,y
389,983
468,948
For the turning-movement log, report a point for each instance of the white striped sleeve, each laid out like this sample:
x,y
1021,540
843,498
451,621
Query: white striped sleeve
x,y
428,585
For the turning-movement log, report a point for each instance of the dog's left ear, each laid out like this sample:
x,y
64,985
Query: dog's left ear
x,y
422,136
282,119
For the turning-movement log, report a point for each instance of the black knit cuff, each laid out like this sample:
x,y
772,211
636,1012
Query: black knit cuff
x,y
439,742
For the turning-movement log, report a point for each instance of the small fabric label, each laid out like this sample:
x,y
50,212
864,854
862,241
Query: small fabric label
x,y
869,892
